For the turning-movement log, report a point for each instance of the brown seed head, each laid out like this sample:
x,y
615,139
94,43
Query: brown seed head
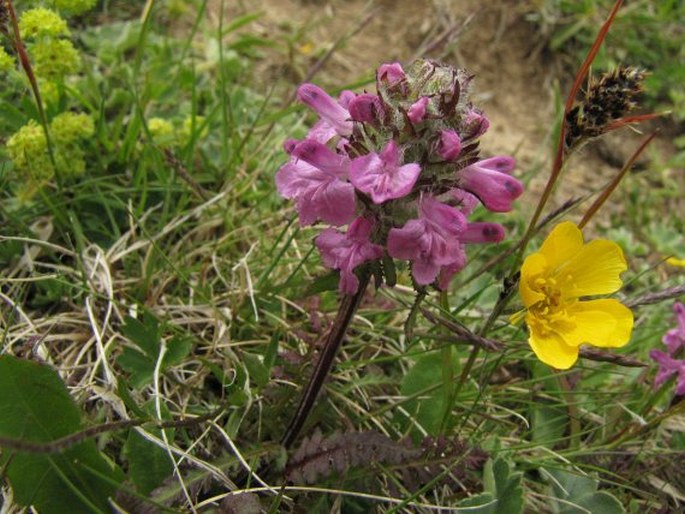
x,y
608,99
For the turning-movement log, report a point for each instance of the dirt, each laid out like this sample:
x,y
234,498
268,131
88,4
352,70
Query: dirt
x,y
515,77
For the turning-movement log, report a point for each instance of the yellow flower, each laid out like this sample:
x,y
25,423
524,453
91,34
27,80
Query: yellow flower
x,y
553,281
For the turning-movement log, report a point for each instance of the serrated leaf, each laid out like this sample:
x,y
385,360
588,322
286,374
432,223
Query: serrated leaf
x,y
35,406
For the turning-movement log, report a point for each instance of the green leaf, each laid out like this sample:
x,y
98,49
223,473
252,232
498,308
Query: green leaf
x,y
423,379
148,463
505,485
578,494
483,503
146,335
35,406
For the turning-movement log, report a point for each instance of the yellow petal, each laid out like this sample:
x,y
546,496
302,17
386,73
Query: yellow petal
x,y
595,269
534,266
551,349
561,244
605,323
674,261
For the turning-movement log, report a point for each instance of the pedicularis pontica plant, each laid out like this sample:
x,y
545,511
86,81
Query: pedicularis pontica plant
x,y
406,334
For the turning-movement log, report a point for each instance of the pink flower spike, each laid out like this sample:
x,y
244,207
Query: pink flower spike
x,y
391,73
483,233
347,251
675,338
366,108
449,146
380,175
417,112
495,190
667,368
431,241
322,157
317,193
501,163
328,109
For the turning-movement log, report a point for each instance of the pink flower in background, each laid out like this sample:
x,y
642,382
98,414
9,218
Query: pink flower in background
x,y
431,241
335,118
449,146
674,339
381,176
668,366
346,251
490,182
672,362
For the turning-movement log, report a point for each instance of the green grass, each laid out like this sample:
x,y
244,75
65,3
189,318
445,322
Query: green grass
x,y
171,282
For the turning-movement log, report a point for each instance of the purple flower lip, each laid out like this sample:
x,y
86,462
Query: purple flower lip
x,y
347,251
380,175
327,108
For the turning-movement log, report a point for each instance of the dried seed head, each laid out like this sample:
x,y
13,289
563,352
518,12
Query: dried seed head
x,y
608,99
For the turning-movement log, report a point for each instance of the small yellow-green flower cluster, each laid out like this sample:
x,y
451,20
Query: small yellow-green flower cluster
x,y
42,22
7,62
28,148
54,57
164,134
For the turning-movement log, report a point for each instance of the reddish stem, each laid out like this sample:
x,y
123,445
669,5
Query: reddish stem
x,y
334,339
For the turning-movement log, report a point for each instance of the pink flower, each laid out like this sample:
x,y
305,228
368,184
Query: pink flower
x,y
668,366
335,117
474,233
391,73
417,112
322,157
380,175
346,251
467,201
315,178
490,182
475,124
366,108
449,146
675,338
431,241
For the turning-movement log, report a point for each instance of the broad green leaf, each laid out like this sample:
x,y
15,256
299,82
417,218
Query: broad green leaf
x,y
505,485
579,495
148,463
35,406
423,379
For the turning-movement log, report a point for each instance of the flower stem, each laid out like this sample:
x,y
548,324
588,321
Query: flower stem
x,y
28,69
334,339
